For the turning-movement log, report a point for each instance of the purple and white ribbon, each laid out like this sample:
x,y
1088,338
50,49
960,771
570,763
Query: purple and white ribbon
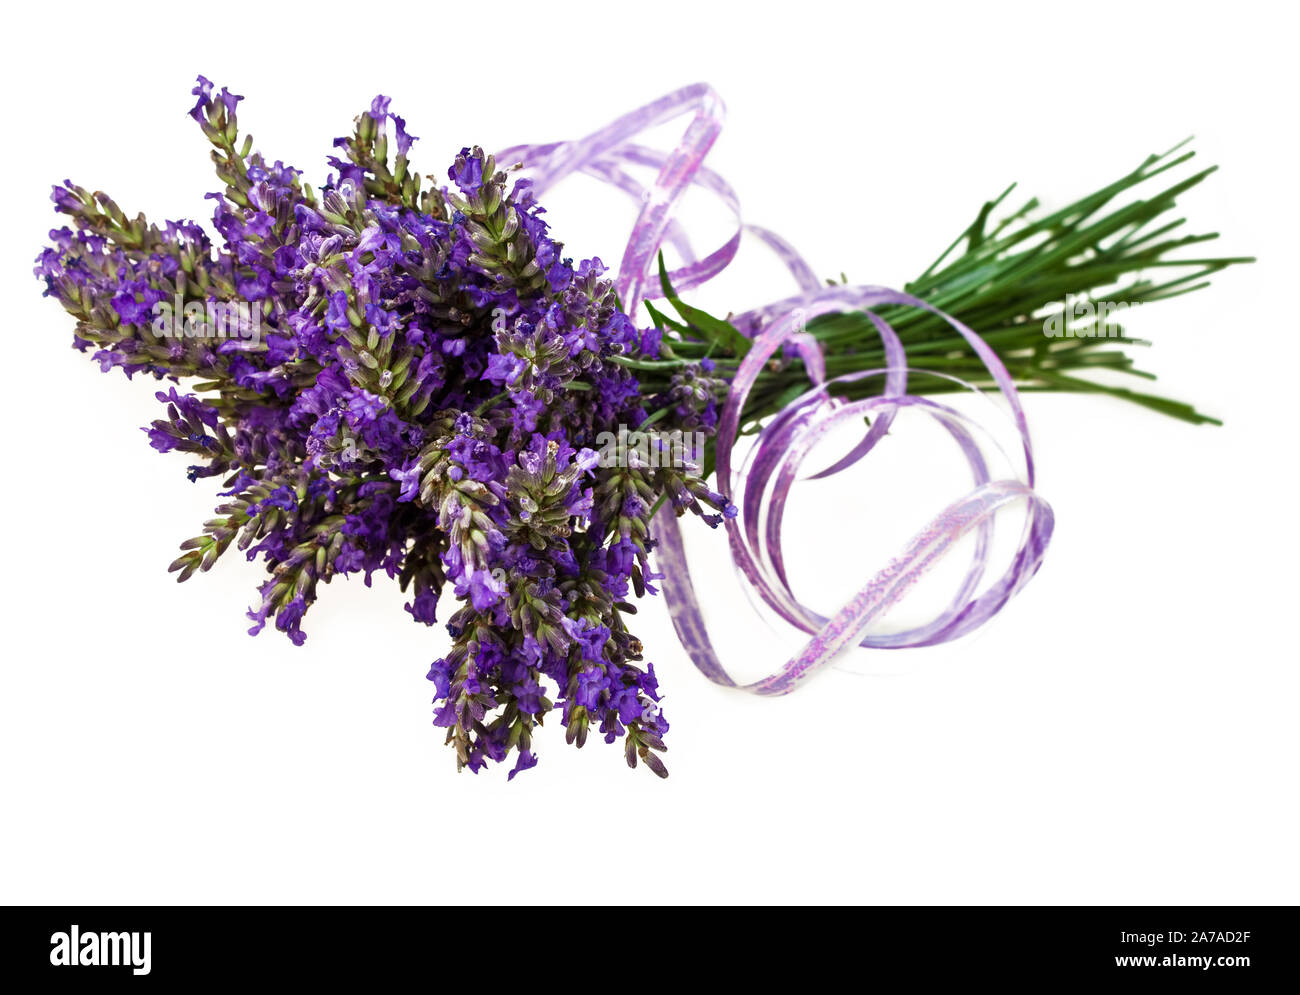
x,y
760,489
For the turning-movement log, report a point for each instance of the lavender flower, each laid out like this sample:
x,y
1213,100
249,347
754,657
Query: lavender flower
x,y
432,372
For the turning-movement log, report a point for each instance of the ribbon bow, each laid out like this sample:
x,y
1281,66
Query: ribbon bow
x,y
762,485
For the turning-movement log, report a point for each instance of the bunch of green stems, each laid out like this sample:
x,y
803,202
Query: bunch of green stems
x,y
1003,279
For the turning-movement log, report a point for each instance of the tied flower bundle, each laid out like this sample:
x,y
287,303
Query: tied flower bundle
x,y
392,376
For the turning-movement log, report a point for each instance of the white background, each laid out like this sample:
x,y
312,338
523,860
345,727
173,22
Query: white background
x,y
1125,732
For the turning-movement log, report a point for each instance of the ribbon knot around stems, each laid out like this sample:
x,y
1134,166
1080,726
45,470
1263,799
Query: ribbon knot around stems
x,y
760,489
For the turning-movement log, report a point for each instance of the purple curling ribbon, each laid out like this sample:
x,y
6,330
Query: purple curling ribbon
x,y
761,487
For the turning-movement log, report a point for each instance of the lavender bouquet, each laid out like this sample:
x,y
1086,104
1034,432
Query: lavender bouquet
x,y
397,377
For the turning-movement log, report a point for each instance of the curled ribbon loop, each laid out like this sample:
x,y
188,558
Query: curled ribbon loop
x,y
761,487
